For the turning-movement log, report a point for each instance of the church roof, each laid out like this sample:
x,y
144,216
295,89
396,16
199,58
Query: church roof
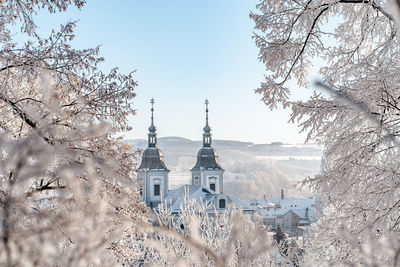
x,y
152,159
207,159
241,204
176,198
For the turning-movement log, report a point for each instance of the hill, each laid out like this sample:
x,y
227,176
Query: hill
x,y
251,170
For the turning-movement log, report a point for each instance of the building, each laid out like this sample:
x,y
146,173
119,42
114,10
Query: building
x,y
212,201
207,171
152,172
293,215
207,183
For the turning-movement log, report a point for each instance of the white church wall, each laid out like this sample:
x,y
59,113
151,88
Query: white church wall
x,y
153,178
207,177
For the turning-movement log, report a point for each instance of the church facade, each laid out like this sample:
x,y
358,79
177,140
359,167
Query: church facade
x,y
207,181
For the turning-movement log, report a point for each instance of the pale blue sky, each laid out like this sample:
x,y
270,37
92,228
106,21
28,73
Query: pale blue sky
x,y
184,51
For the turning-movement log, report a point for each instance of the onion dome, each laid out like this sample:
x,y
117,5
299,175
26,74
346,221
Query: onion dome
x,y
152,159
207,159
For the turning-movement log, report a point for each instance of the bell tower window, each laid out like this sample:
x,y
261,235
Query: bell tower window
x,y
196,180
156,189
213,183
156,186
212,187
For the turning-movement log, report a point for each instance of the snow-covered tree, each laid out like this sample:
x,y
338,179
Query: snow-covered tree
x,y
356,119
194,237
66,186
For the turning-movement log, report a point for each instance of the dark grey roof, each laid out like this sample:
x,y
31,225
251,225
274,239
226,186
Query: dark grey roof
x,y
207,158
152,159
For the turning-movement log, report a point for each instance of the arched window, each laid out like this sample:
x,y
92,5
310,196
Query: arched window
x,y
213,183
196,180
222,203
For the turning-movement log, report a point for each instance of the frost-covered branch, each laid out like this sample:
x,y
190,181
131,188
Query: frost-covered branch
x,y
357,122
66,178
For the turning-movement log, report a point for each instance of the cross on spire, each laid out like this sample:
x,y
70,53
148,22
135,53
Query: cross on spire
x,y
206,102
152,128
152,109
207,129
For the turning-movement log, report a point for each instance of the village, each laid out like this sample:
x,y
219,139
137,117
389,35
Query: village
x,y
291,215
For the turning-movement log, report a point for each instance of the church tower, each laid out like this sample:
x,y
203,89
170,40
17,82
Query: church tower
x,y
152,172
207,171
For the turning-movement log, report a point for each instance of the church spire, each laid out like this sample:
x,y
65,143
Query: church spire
x,y
207,129
152,129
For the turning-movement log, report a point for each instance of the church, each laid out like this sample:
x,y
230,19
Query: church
x,y
207,181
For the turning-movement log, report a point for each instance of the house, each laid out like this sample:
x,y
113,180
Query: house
x,y
292,214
